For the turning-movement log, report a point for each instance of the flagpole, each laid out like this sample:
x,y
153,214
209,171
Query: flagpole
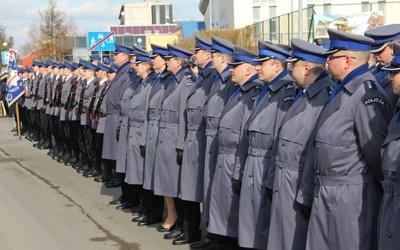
x,y
18,123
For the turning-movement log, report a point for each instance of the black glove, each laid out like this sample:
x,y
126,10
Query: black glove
x,y
305,211
269,194
236,186
117,134
142,150
179,156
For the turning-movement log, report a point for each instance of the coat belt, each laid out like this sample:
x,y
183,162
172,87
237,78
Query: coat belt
x,y
390,186
354,179
283,163
211,131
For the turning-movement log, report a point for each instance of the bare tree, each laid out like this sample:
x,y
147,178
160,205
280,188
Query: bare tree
x,y
54,39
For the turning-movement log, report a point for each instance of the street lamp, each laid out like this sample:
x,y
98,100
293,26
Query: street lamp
x,y
139,40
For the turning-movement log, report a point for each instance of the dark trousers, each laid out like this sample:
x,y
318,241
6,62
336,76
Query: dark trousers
x,y
74,135
22,116
44,125
189,211
131,193
98,150
35,121
153,204
55,128
88,140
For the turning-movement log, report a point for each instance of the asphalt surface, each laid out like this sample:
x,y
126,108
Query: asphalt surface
x,y
46,205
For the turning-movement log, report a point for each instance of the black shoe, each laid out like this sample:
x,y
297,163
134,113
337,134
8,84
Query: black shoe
x,y
120,200
45,145
163,229
149,221
57,156
126,205
137,210
139,218
114,182
201,244
82,169
216,246
72,161
103,178
181,239
174,234
94,173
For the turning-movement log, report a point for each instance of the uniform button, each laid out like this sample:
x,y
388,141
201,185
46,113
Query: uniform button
x,y
391,204
276,189
389,235
283,144
394,177
190,140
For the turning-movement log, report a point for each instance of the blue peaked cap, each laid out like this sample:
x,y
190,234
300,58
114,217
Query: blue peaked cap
x,y
395,63
302,50
242,55
383,36
178,52
103,67
268,51
202,43
222,46
158,51
68,65
140,57
341,40
122,48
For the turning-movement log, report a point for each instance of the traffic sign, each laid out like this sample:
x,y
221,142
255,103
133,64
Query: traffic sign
x,y
4,57
101,41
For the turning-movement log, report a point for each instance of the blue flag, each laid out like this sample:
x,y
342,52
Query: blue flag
x,y
15,88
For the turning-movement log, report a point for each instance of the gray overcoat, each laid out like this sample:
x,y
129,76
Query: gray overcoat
x,y
65,92
389,213
113,107
288,228
137,134
192,170
216,100
122,145
347,166
151,126
171,133
232,153
262,130
87,97
101,124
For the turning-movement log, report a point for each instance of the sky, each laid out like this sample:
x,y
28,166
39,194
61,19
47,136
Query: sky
x,y
89,15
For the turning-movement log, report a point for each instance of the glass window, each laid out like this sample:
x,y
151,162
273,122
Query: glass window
x,y
256,13
365,6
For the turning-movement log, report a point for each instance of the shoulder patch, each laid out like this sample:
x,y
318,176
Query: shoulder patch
x,y
189,84
290,86
372,100
369,85
288,98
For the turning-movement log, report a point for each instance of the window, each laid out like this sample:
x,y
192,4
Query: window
x,y
327,8
256,13
365,6
273,23
381,5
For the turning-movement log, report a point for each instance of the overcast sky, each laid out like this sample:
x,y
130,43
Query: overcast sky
x,y
89,15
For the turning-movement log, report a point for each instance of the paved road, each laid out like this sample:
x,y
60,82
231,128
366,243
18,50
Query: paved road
x,y
46,205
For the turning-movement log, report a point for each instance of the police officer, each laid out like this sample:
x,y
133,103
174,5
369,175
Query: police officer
x,y
232,149
345,151
35,135
28,100
67,90
101,113
388,236
154,204
114,93
83,111
256,176
94,115
171,134
137,135
221,91
382,50
288,225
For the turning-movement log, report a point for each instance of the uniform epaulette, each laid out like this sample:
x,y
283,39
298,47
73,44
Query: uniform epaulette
x,y
369,85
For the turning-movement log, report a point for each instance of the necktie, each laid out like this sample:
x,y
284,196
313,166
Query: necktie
x,y
299,94
263,92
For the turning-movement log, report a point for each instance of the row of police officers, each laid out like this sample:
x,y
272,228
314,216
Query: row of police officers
x,y
289,148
